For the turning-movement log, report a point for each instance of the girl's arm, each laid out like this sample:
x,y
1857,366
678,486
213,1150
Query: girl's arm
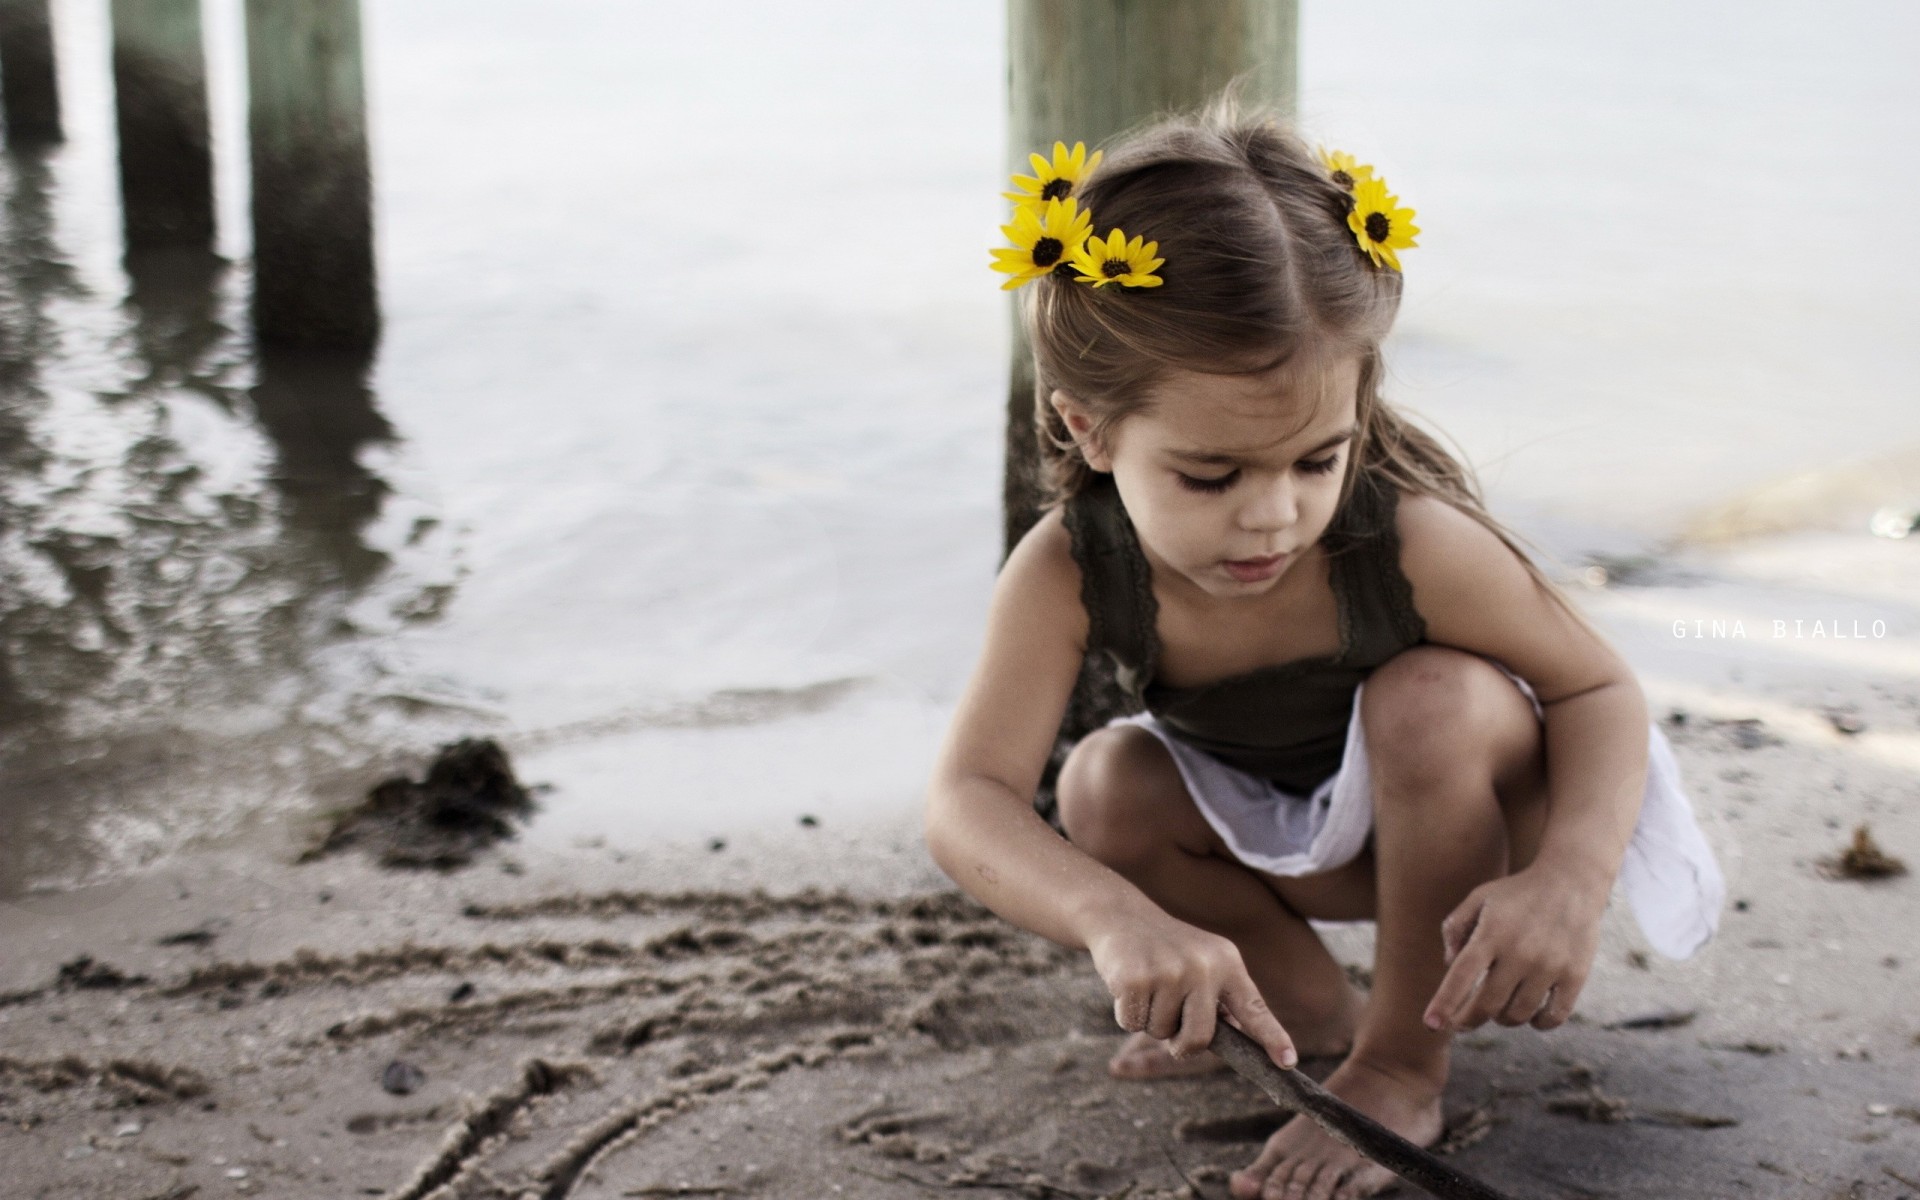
x,y
1167,977
1514,939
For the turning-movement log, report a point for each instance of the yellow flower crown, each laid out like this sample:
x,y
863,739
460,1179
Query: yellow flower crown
x,y
1052,233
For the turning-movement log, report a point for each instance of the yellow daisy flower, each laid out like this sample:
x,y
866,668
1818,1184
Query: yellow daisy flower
x,y
1056,180
1346,171
1041,243
1117,260
1379,223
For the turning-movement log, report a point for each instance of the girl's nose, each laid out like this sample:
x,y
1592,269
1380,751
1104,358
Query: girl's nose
x,y
1270,506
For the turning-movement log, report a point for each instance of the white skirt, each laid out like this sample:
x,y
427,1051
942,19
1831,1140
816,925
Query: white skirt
x,y
1669,875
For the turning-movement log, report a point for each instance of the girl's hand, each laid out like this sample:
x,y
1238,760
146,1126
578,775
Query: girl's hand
x,y
1520,948
1171,979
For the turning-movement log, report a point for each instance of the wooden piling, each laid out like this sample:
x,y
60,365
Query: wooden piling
x,y
160,105
29,92
312,194
1082,71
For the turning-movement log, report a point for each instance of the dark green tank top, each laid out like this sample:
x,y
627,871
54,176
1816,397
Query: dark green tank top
x,y
1286,723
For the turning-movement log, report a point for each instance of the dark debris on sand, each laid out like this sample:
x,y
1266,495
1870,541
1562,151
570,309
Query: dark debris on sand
x,y
1862,859
468,801
84,972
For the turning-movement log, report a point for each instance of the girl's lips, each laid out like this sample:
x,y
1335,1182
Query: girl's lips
x,y
1253,570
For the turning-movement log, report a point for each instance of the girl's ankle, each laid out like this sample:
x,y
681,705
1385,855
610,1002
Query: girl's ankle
x,y
1419,1074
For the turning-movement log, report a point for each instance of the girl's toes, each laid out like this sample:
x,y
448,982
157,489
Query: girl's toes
x,y
1368,1179
1289,1182
1247,1183
1325,1182
1252,1181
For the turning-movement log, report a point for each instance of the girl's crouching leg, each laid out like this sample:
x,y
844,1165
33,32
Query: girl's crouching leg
x,y
1122,800
1459,774
1452,745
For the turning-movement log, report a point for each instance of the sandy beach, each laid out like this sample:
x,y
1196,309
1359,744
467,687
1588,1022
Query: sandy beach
x,y
815,1012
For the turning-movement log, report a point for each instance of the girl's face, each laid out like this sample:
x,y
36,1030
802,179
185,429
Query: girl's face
x,y
1229,480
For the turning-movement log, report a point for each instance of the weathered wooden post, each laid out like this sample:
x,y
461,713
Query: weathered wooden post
x,y
1082,71
160,106
28,90
312,195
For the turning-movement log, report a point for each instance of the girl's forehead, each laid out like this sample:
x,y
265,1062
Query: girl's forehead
x,y
1251,414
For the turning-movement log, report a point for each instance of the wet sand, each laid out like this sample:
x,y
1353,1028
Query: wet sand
x,y
814,1012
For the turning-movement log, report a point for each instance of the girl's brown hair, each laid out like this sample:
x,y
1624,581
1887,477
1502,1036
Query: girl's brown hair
x,y
1261,269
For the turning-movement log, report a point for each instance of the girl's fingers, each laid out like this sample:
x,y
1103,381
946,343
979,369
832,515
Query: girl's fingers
x,y
1196,1024
1552,1010
1248,1012
1163,1019
1457,930
1559,1005
1526,1002
1131,1008
1493,996
1457,989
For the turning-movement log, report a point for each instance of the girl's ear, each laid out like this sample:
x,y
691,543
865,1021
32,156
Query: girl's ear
x,y
1079,423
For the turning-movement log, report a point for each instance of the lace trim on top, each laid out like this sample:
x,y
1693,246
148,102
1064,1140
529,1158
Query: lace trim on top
x,y
1083,545
1113,568
1384,566
1140,599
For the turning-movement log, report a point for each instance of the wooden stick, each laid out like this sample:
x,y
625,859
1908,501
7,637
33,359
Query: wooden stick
x,y
1296,1093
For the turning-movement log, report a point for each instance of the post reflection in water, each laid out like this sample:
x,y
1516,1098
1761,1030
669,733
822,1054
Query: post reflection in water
x,y
317,409
188,553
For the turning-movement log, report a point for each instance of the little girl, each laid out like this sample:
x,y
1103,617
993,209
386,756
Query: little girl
x,y
1362,701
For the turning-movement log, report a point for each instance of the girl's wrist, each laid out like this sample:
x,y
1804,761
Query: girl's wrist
x,y
1582,873
1098,912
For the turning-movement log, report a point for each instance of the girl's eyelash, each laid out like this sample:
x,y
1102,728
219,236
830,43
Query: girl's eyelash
x,y
1207,485
1319,466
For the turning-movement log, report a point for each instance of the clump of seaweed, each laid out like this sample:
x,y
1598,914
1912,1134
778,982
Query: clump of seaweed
x,y
1862,859
468,801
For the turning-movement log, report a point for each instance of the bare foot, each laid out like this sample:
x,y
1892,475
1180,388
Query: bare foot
x,y
1302,1163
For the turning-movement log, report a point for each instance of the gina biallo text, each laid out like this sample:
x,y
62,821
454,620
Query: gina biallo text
x,y
1793,627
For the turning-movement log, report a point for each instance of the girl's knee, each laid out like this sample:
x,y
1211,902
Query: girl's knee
x,y
1114,791
1432,712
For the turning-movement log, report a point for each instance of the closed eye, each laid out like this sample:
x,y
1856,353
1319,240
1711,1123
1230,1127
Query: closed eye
x,y
1320,466
1216,486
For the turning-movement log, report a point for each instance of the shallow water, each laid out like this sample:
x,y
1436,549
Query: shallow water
x,y
677,469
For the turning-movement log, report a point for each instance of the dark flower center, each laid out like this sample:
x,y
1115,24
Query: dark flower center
x,y
1378,227
1047,251
1114,268
1057,189
1344,180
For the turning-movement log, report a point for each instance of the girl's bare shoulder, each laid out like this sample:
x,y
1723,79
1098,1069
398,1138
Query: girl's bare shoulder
x,y
1449,557
1004,725
1040,584
1434,533
1475,592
